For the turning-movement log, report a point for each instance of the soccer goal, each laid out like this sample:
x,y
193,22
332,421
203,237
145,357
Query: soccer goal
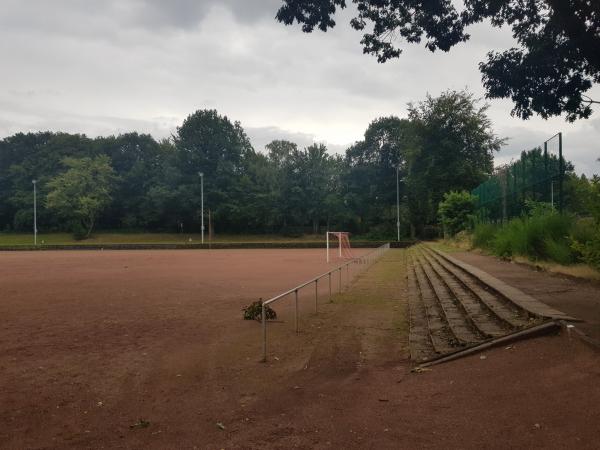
x,y
344,250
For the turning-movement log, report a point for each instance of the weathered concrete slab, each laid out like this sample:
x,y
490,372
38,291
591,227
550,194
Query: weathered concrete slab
x,y
516,296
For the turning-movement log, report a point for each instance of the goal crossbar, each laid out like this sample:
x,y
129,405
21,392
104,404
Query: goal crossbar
x,y
344,249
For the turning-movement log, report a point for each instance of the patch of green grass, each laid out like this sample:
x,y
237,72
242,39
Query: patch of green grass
x,y
27,238
145,238
380,292
381,284
102,237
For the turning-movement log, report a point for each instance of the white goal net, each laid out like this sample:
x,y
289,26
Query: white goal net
x,y
338,244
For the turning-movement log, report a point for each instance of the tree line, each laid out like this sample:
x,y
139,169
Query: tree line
x,y
135,182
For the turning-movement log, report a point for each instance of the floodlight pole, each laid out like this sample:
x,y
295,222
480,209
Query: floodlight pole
x,y
34,212
398,201
202,204
561,174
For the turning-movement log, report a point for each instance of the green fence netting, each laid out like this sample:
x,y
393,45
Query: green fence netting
x,y
536,176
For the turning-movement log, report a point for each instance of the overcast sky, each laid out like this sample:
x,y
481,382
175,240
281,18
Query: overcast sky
x,y
112,66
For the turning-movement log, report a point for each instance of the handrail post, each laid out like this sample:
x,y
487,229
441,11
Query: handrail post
x,y
264,332
316,295
296,310
348,274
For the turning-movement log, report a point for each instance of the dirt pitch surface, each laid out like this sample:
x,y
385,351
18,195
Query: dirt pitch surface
x,y
147,349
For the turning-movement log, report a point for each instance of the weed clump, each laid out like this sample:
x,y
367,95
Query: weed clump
x,y
590,253
543,235
483,235
254,311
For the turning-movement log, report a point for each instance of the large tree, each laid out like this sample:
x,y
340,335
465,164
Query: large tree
x,y
209,143
141,164
556,60
309,178
371,177
82,192
279,154
454,151
39,156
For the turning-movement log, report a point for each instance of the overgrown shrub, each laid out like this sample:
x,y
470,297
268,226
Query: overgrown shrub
x,y
254,311
589,251
510,239
544,234
593,201
584,230
78,230
456,211
534,208
483,235
540,236
585,241
559,251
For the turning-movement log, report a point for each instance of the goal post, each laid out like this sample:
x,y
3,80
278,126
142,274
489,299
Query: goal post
x,y
343,244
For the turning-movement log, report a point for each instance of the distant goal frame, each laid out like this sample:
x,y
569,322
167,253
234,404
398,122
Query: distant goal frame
x,y
344,251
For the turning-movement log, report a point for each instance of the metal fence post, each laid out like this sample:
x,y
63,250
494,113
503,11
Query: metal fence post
x,y
340,280
329,285
347,274
264,333
296,310
316,295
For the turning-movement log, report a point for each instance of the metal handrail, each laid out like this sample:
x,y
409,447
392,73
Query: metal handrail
x,y
369,258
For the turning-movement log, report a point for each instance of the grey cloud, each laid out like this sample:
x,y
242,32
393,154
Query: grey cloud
x,y
521,138
56,17
249,11
581,146
261,136
595,124
94,17
189,13
173,13
14,119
